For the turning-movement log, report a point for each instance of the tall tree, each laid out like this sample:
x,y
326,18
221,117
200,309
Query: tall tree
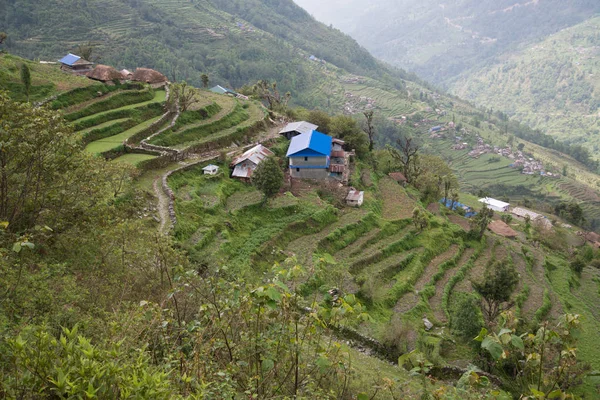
x,y
370,129
501,279
205,80
26,79
269,93
184,94
268,177
407,154
46,178
480,221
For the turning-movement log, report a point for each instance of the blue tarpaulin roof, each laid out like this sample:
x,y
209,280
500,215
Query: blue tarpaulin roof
x,y
315,144
448,203
69,59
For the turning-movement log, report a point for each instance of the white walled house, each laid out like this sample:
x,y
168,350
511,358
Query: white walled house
x,y
210,169
494,204
355,198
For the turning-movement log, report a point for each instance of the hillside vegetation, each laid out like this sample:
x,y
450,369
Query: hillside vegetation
x,y
552,85
441,41
233,42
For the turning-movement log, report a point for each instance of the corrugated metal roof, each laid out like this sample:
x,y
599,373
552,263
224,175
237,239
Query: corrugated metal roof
x,y
310,144
493,202
69,59
222,90
300,127
354,195
255,154
210,167
242,172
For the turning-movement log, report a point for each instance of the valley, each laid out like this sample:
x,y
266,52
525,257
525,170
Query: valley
x,y
141,257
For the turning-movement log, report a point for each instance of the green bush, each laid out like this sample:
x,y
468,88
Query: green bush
x,y
466,319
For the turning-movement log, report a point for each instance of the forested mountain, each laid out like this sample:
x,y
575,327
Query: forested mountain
x,y
439,40
553,85
234,42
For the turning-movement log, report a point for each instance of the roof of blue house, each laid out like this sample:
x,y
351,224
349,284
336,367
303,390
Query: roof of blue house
x,y
69,59
310,144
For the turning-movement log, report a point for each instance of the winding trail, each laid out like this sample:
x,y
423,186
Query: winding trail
x,y
163,206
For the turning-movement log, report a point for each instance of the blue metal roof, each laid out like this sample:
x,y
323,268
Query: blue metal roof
x,y
310,144
69,59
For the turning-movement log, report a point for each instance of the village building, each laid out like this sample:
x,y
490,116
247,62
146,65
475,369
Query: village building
x,y
355,198
105,74
244,165
210,169
126,75
75,64
494,204
398,177
297,128
502,229
524,213
309,155
146,75
222,90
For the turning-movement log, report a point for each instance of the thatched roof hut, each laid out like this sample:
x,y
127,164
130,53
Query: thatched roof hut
x,y
104,73
148,75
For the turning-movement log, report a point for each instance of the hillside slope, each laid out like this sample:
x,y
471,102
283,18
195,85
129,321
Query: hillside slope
x,y
439,40
552,85
184,39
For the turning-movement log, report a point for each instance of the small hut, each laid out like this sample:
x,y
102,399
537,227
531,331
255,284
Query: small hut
x,y
75,64
126,75
398,177
150,76
355,198
210,169
104,73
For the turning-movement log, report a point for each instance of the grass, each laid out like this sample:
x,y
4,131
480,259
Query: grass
x,y
110,143
159,97
133,158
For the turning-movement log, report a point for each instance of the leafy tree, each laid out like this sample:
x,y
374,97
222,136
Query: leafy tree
x,y
541,364
46,178
183,94
435,178
321,119
419,219
26,79
268,177
577,265
480,221
499,283
466,318
86,51
570,211
269,93
407,154
205,80
370,129
346,128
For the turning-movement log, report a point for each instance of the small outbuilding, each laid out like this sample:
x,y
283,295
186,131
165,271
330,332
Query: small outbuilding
x,y
398,177
355,198
126,75
104,73
149,76
75,64
297,128
494,204
223,90
210,169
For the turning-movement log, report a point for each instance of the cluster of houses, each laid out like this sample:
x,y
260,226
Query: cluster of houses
x,y
355,104
76,65
528,165
311,155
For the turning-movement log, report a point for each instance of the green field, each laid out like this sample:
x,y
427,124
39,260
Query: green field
x,y
102,145
133,158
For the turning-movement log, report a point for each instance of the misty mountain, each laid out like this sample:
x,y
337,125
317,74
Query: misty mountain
x,y
440,40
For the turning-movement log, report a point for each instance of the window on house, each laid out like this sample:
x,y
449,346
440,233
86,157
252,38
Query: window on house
x,y
305,158
297,169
